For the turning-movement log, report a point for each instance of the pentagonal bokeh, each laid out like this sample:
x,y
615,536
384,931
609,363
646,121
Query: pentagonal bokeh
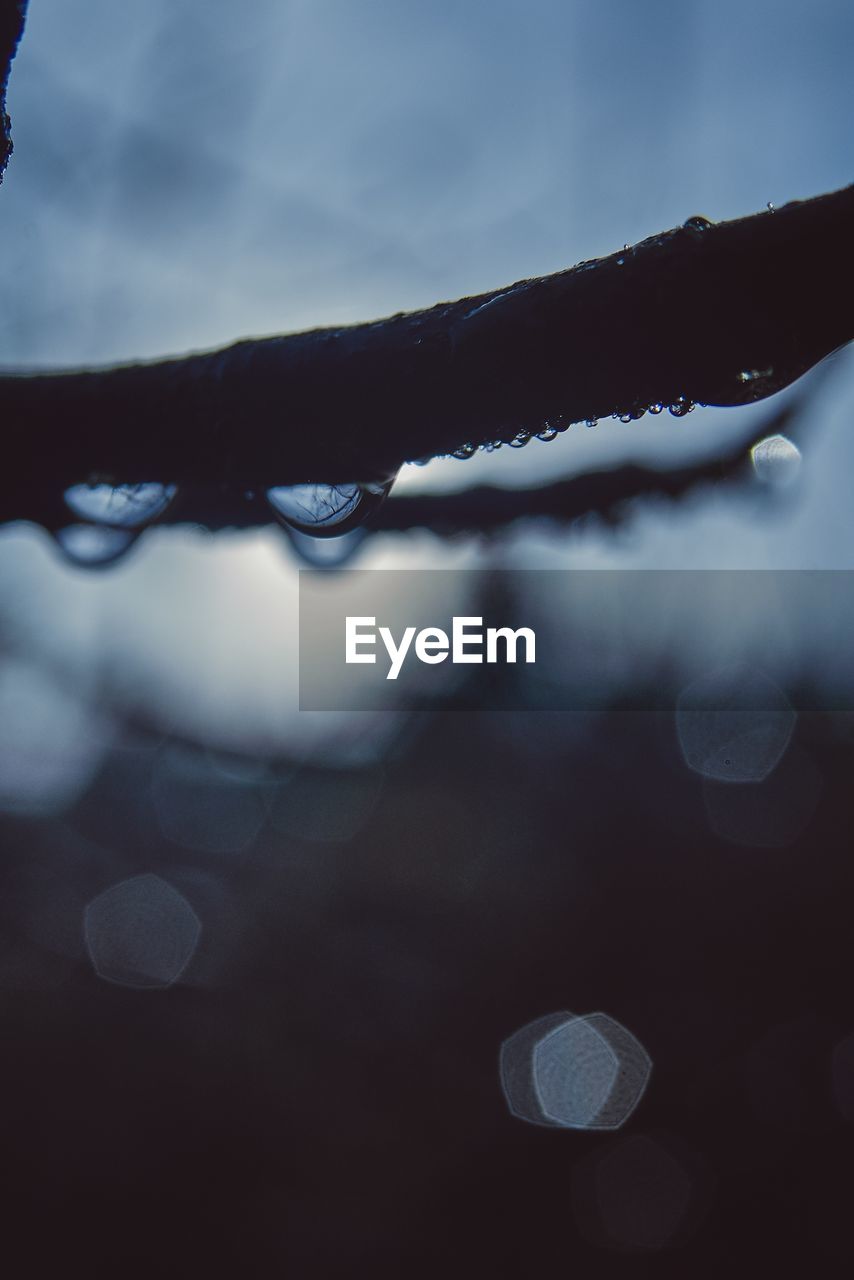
x,y
141,933
573,1072
734,724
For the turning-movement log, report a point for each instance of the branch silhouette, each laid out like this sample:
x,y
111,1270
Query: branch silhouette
x,y
715,314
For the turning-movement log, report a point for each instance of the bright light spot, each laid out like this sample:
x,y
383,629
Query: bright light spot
x,y
574,1072
776,461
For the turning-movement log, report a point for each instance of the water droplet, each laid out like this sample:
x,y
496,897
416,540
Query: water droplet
x,y
326,510
697,223
465,452
776,461
520,439
626,417
655,408
325,553
770,207
93,545
621,262
125,506
548,433
591,422
626,246
681,406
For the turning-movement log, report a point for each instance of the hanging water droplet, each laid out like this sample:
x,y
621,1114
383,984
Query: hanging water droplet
x,y
548,433
465,452
326,510
698,223
681,405
626,246
625,417
770,207
520,439
591,422
655,408
315,506
125,506
92,545
776,461
325,553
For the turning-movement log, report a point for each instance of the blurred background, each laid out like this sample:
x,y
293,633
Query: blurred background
x,y
339,917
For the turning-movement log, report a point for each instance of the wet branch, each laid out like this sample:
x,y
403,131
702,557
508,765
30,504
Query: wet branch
x,y
722,315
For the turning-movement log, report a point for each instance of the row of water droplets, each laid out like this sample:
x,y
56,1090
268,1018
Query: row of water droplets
x,y
324,522
681,406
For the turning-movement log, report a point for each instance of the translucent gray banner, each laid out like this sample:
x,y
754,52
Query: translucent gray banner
x,y
562,639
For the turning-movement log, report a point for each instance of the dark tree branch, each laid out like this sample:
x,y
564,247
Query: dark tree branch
x,y
723,315
11,28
